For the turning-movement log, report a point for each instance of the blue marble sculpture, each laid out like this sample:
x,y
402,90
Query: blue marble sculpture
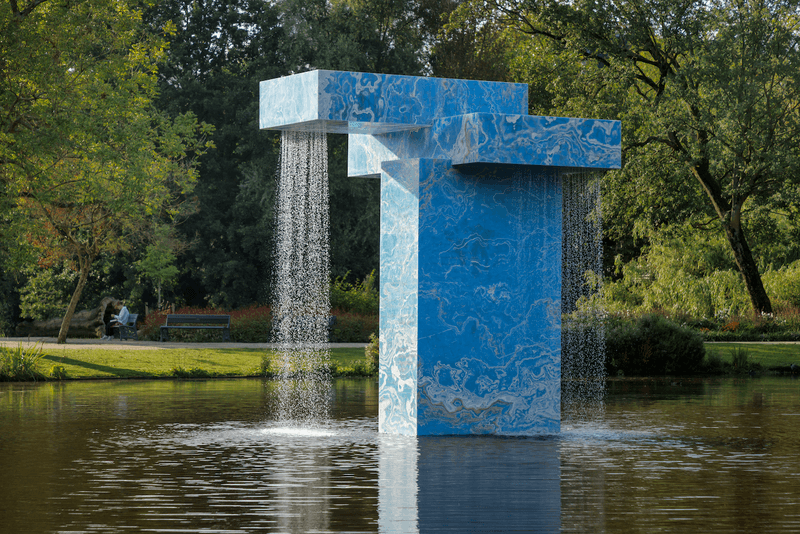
x,y
470,317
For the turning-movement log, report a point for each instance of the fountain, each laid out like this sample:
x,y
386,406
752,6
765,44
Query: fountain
x,y
471,238
301,301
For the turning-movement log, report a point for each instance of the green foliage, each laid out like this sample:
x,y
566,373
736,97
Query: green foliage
x,y
354,328
83,171
707,94
158,263
712,364
57,372
783,285
784,326
652,345
20,364
361,297
680,272
739,359
46,292
372,359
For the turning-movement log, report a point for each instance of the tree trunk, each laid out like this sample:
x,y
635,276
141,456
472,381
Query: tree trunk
x,y
730,215
747,266
86,264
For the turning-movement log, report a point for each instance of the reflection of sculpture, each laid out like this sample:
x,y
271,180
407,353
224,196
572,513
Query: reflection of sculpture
x,y
84,324
470,238
442,484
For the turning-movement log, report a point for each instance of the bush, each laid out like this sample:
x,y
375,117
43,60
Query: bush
x,y
353,328
713,364
20,364
372,355
652,345
361,298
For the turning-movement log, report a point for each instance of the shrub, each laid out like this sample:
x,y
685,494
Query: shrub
x,y
353,328
361,298
21,364
58,372
739,359
248,325
652,345
372,360
712,364
194,372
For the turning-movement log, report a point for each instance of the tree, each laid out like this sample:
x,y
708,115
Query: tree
x,y
84,156
708,92
158,264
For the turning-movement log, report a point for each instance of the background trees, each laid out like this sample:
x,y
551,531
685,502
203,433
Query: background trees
x,y
99,133
85,160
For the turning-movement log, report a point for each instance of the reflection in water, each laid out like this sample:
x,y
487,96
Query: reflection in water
x,y
124,456
398,471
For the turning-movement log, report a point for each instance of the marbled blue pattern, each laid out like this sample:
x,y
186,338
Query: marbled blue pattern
x,y
398,303
357,102
489,301
470,239
483,138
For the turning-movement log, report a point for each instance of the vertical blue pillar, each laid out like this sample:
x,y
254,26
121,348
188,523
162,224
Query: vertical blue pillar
x,y
470,239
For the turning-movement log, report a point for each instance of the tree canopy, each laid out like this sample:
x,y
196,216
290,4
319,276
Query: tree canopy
x,y
86,161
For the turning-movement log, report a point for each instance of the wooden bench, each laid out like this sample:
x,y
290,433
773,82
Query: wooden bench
x,y
128,329
197,322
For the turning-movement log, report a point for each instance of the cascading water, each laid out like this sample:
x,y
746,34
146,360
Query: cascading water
x,y
582,331
301,273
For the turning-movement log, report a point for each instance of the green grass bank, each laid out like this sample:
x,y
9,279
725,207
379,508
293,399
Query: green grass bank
x,y
99,362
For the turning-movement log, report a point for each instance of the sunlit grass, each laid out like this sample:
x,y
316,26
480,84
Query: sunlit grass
x,y
186,362
767,354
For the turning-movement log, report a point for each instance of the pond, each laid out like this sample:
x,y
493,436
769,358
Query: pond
x,y
699,455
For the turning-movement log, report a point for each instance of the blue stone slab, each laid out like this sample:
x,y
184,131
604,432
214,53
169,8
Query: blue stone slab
x,y
398,302
484,138
356,102
477,331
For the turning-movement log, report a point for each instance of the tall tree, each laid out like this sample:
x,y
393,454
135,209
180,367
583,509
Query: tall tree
x,y
84,157
216,58
708,91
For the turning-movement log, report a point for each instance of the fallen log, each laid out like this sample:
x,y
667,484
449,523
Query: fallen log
x,y
84,324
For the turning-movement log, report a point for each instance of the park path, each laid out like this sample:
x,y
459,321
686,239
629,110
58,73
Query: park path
x,y
49,343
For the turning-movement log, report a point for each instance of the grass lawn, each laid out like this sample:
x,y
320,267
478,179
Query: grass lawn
x,y
767,354
145,363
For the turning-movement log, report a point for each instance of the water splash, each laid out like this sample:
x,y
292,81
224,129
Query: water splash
x,y
582,331
301,274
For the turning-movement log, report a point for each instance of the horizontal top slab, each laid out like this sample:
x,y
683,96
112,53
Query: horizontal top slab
x,y
363,103
485,138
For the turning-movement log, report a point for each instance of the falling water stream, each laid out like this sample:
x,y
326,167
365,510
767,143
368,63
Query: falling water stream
x,y
582,332
301,272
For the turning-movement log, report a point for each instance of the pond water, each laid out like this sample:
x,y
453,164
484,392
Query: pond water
x,y
206,456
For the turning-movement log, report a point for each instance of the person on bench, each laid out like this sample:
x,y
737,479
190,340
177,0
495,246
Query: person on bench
x,y
117,320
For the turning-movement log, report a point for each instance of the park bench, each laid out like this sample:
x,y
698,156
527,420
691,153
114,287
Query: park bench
x,y
128,330
197,322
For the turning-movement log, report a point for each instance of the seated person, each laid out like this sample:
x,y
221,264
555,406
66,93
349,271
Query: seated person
x,y
117,320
